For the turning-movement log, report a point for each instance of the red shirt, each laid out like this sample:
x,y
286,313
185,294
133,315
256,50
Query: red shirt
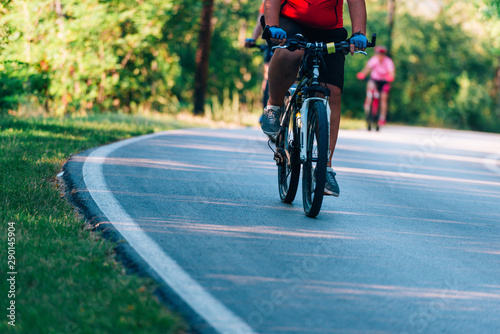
x,y
320,14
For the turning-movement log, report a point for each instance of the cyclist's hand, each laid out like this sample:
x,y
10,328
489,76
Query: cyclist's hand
x,y
249,42
389,78
358,41
278,35
361,76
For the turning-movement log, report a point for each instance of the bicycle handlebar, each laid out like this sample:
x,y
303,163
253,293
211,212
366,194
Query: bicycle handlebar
x,y
299,42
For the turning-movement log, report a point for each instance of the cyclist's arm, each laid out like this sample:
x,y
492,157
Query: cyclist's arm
x,y
357,11
392,72
366,70
257,31
272,10
391,76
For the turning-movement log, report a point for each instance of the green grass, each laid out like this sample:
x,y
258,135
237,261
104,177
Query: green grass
x,y
68,280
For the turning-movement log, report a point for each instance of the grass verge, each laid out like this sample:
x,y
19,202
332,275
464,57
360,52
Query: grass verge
x,y
67,280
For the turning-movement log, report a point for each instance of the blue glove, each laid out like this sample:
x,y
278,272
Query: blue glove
x,y
359,40
249,42
277,33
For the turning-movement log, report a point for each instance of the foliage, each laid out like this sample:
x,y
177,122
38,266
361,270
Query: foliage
x,y
445,69
69,280
88,55
138,55
493,8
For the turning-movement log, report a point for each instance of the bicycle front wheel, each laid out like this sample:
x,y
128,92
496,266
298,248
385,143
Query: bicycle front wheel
x,y
314,171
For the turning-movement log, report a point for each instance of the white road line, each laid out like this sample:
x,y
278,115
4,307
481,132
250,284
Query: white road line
x,y
202,302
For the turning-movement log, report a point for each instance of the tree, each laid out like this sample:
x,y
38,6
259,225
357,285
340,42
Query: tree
x,y
493,11
202,57
391,11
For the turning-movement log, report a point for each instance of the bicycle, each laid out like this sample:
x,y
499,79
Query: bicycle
x,y
303,138
374,112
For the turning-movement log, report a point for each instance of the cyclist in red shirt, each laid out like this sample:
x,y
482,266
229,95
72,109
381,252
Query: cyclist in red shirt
x,y
317,20
382,74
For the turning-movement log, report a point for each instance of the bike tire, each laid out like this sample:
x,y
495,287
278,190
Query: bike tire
x,y
314,169
369,117
289,168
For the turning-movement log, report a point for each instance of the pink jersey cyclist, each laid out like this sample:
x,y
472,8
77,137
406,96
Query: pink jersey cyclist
x,y
381,69
382,73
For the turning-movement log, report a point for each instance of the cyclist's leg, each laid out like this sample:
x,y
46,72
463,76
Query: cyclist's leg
x,y
282,74
334,77
335,107
331,186
283,70
370,89
265,85
284,65
384,97
266,76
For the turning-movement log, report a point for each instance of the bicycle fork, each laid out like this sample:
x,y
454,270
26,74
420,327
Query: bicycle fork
x,y
303,126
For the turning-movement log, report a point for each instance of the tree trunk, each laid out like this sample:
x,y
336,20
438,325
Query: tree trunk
x,y
391,10
497,88
202,55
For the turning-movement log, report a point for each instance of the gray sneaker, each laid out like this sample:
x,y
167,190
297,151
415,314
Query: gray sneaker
x,y
331,185
270,124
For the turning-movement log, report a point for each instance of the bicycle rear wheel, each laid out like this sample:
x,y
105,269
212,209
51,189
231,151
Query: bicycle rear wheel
x,y
265,95
289,160
314,172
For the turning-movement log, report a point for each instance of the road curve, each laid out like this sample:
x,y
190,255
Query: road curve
x,y
410,246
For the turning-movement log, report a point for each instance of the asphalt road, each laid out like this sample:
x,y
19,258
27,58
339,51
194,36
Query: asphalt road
x,y
412,245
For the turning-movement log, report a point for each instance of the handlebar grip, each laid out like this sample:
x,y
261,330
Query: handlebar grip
x,y
373,42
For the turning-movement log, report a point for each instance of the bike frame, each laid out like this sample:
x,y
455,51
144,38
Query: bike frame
x,y
375,103
303,126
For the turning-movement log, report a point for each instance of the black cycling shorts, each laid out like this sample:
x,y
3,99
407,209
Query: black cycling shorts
x,y
334,72
382,86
